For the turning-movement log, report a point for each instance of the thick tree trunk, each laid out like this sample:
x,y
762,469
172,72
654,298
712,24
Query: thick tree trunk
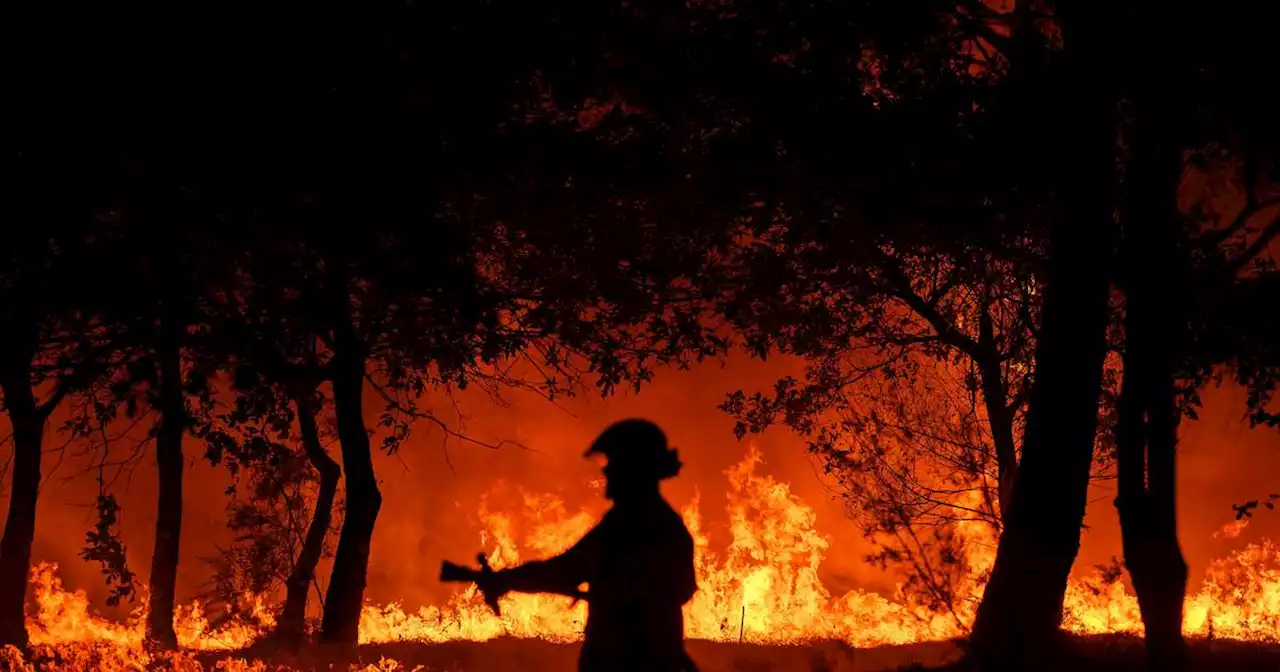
x,y
1156,564
1017,622
1074,94
169,465
292,624
1148,521
1146,440
1146,437
1156,335
345,597
27,422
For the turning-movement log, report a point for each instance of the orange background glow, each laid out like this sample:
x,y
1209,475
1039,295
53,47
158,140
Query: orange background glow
x,y
431,500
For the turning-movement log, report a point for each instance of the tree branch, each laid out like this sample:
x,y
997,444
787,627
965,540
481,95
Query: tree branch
x,y
1258,245
947,331
89,368
449,432
1251,207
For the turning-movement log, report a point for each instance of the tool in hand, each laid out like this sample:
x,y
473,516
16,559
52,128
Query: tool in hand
x,y
450,572
453,573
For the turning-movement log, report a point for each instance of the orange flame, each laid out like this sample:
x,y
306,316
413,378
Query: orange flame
x,y
1232,529
763,587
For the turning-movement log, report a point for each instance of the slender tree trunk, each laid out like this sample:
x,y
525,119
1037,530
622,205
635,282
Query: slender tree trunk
x,y
169,466
345,597
1000,419
27,422
292,622
995,399
1017,622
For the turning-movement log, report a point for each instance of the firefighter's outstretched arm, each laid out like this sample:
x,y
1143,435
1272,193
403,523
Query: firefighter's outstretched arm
x,y
561,574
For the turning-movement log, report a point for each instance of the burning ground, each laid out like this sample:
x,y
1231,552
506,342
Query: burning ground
x,y
761,603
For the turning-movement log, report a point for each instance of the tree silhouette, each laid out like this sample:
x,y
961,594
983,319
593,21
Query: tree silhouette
x,y
922,366
1182,288
573,178
173,257
277,543
936,116
355,277
51,337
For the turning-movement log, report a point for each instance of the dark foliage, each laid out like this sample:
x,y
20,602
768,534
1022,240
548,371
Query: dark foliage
x,y
102,545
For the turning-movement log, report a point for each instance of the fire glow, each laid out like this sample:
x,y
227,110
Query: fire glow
x,y
762,588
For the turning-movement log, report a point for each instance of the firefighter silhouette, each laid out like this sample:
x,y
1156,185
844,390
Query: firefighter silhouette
x,y
637,562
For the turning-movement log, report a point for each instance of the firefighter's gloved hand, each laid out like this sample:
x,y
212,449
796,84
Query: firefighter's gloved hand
x,y
494,585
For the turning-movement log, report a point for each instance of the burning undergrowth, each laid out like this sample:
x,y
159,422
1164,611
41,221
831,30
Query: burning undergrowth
x,y
761,589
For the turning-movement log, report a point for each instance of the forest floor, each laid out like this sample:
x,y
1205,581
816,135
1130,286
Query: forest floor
x,y
1089,654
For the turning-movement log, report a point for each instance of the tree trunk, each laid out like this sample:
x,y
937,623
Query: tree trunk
x,y
345,597
1157,566
1145,502
27,422
1017,622
1146,437
1146,441
995,399
169,465
1156,336
1074,94
292,622
1000,419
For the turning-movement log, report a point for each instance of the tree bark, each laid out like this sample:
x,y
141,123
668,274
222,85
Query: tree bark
x,y
292,624
169,466
27,422
1017,622
345,597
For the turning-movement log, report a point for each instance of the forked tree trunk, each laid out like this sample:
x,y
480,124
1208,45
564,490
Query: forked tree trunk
x,y
292,624
1021,611
345,597
1146,437
27,423
169,466
1156,336
1148,521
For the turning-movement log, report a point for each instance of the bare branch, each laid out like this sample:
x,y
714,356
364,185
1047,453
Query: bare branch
x,y
1251,207
1258,245
449,432
945,329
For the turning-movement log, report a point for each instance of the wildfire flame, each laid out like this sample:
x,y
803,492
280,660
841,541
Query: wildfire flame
x,y
1232,529
763,587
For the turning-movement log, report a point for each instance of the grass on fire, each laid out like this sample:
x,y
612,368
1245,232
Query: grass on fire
x,y
1091,654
